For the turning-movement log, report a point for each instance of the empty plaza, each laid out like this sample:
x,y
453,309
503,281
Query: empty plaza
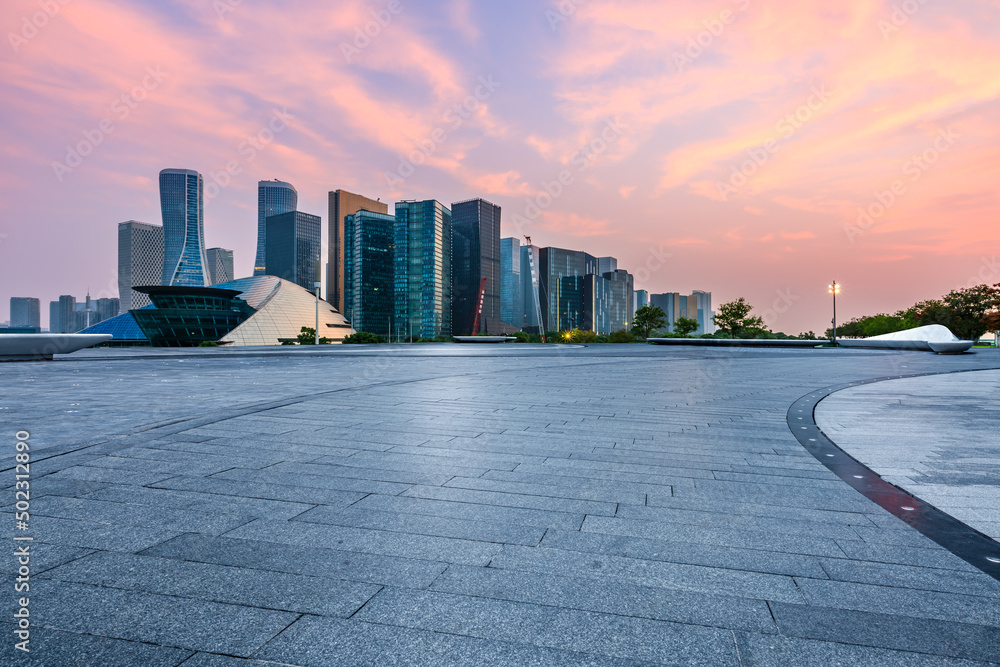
x,y
441,504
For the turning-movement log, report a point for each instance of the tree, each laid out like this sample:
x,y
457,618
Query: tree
x,y
307,336
647,320
735,317
362,338
685,325
970,307
581,336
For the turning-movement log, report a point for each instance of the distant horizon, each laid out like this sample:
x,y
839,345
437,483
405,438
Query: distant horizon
x,y
751,148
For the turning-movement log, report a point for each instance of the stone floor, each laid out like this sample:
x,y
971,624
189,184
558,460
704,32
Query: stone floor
x,y
466,505
936,436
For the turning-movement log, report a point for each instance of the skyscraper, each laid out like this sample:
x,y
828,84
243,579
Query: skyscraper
x,y
475,256
104,309
220,265
294,247
640,299
697,306
369,272
342,203
182,204
62,315
140,261
530,312
562,286
422,260
273,198
511,292
606,265
25,313
620,285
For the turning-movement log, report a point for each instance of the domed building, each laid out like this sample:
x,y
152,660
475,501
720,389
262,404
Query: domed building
x,y
262,310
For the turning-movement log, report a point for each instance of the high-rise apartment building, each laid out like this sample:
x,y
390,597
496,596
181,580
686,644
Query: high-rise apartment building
x,y
294,247
369,272
62,315
640,299
140,261
273,198
220,265
511,292
341,204
183,209
423,268
696,306
25,313
475,256
104,309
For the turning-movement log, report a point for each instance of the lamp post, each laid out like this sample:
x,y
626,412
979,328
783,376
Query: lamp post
x,y
316,286
834,289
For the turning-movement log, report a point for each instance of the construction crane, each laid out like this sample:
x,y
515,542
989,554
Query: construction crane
x,y
479,307
534,287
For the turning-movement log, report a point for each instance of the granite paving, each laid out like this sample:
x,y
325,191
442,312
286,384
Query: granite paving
x,y
438,504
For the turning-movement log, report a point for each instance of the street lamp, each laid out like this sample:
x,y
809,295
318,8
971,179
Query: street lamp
x,y
316,286
834,289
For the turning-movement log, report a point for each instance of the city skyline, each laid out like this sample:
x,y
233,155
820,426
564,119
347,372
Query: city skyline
x,y
749,149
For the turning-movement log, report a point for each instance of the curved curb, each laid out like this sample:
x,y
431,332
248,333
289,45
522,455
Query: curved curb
x,y
966,542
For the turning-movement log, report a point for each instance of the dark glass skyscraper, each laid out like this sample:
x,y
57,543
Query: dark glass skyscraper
x,y
511,292
422,261
182,205
620,285
273,198
294,247
563,275
25,312
341,204
475,255
369,271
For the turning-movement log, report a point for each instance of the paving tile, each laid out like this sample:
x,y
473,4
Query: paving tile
x,y
57,648
472,511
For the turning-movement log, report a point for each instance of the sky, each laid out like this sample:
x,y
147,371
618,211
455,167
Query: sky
x,y
755,148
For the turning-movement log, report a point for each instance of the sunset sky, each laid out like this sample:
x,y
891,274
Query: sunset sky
x,y
727,146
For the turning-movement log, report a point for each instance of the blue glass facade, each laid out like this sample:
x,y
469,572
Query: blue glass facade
x,y
293,244
369,268
563,275
530,312
423,237
182,206
511,291
273,198
620,286
475,255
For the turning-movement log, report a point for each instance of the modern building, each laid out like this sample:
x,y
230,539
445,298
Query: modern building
x,y
140,261
183,209
262,310
620,297
606,265
104,309
341,204
25,313
640,299
696,306
294,247
562,273
62,315
273,198
369,272
220,265
511,291
422,260
596,304
475,257
530,257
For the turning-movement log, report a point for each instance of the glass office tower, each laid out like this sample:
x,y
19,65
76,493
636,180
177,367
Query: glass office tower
x,y
273,198
220,265
369,270
182,205
140,261
475,255
422,260
341,204
511,292
25,312
562,286
294,247
620,297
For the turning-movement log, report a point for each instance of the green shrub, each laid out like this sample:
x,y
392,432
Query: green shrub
x,y
621,336
521,337
208,343
363,338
